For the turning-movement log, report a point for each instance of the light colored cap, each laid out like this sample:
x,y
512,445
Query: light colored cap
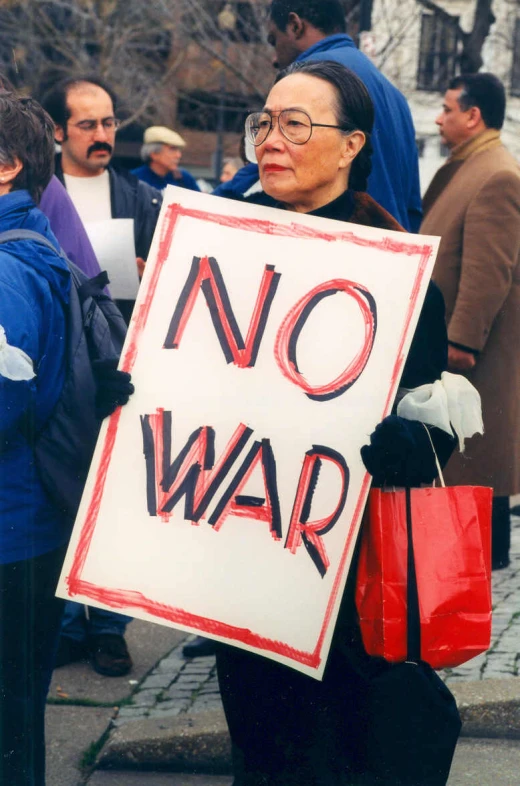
x,y
164,135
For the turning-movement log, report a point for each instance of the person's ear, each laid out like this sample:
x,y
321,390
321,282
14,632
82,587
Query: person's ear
x,y
9,172
474,117
59,134
295,26
352,145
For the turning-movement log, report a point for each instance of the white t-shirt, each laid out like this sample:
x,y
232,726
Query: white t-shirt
x,y
91,196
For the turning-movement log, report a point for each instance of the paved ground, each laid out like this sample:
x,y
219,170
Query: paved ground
x,y
168,700
477,763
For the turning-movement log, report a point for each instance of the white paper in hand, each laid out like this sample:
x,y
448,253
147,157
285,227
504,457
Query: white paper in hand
x,y
14,363
113,244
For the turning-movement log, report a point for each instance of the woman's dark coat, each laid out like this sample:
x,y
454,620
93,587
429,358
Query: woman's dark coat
x,y
288,729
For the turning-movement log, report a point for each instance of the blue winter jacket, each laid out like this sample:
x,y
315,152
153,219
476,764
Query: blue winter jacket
x,y
147,175
394,180
239,184
34,292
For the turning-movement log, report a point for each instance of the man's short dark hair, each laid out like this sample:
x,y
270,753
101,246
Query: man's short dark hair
x,y
26,134
484,91
54,100
327,16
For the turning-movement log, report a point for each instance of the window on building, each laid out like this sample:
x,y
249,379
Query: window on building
x,y
515,71
438,51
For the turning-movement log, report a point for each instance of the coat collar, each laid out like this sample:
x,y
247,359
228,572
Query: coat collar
x,y
336,41
477,144
358,207
486,140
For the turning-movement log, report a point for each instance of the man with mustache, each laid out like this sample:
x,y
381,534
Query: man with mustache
x,y
83,110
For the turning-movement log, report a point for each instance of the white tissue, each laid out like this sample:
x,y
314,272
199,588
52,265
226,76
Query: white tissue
x,y
14,363
451,403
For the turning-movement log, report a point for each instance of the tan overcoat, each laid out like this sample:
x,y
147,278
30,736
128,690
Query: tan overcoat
x,y
473,202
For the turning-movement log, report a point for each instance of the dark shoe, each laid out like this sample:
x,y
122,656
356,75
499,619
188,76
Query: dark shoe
x,y
70,651
110,655
499,564
199,648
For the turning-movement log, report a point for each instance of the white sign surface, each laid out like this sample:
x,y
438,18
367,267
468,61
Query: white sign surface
x,y
114,247
225,498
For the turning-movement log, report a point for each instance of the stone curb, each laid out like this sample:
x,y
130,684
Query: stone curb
x,y
200,742
489,708
190,743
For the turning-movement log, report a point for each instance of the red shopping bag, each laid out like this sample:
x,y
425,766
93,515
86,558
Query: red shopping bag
x,y
451,532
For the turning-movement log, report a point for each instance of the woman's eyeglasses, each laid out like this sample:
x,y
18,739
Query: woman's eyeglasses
x,y
108,123
294,124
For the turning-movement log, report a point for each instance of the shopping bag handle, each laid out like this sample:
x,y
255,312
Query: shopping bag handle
x,y
413,618
439,470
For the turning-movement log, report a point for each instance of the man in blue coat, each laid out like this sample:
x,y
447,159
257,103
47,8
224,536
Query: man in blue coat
x,y
315,30
161,152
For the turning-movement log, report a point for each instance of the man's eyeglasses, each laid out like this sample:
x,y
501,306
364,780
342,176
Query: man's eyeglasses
x,y
108,123
295,125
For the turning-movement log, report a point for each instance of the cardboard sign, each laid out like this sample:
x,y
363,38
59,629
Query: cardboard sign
x,y
225,498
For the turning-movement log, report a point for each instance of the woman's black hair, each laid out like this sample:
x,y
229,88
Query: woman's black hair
x,y
354,109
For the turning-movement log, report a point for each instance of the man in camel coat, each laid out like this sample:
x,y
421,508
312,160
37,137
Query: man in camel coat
x,y
473,202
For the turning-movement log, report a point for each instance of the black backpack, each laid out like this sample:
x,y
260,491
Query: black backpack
x,y
64,446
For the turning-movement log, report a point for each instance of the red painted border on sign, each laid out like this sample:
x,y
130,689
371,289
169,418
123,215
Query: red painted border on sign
x,y
119,598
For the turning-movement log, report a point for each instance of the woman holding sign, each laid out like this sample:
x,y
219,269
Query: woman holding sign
x,y
313,147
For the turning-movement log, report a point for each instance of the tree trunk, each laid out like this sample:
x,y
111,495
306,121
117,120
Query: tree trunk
x,y
471,56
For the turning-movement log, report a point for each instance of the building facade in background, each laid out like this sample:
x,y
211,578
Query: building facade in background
x,y
418,43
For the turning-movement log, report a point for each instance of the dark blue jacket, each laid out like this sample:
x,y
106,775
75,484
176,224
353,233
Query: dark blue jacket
x,y
34,291
147,175
394,180
240,183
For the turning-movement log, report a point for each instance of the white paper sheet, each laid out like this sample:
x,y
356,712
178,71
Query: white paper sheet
x,y
113,244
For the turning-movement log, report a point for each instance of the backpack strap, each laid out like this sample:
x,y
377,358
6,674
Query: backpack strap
x,y
28,234
93,287
86,287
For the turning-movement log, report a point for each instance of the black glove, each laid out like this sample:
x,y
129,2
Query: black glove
x,y
114,387
400,453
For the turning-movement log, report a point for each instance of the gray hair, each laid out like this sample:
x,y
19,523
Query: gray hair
x,y
236,162
149,148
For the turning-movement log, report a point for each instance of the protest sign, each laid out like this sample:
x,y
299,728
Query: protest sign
x,y
225,498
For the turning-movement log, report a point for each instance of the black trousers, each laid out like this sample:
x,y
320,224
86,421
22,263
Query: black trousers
x,y
288,729
30,617
500,530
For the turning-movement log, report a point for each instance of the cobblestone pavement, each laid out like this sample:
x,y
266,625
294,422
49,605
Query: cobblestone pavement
x,y
178,685
502,660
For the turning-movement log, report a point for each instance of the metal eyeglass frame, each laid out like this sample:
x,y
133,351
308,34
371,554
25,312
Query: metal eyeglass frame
x,y
273,115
